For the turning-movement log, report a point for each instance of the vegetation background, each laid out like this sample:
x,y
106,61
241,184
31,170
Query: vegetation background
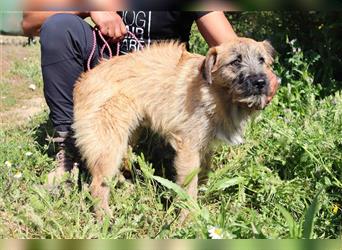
x,y
284,182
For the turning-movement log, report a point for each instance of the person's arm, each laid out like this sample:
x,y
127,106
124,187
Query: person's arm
x,y
108,22
33,20
215,28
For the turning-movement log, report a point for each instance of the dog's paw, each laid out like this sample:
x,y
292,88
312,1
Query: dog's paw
x,y
102,212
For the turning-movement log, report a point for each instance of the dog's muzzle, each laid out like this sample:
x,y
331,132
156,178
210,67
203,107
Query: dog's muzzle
x,y
256,85
252,91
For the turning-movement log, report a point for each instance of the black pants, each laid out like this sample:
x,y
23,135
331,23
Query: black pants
x,y
66,43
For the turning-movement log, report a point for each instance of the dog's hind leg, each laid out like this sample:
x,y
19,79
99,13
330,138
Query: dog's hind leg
x,y
102,172
106,166
115,125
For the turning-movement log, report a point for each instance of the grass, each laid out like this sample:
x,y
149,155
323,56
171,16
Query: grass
x,y
284,182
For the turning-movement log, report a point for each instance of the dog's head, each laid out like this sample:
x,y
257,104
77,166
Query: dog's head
x,y
240,67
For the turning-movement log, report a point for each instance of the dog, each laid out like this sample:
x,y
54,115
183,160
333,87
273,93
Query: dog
x,y
189,99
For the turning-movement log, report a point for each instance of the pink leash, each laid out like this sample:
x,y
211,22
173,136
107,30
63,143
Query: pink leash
x,y
106,45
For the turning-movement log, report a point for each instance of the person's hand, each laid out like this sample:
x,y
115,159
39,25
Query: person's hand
x,y
110,24
274,84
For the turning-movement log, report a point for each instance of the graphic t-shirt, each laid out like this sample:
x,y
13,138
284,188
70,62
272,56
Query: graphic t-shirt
x,y
151,26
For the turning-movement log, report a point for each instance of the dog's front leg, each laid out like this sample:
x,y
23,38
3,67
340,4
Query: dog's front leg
x,y
186,162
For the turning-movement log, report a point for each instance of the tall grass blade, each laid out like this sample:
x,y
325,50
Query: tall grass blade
x,y
189,203
310,217
226,183
294,234
173,186
190,176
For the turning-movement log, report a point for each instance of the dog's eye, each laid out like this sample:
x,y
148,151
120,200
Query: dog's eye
x,y
261,60
235,63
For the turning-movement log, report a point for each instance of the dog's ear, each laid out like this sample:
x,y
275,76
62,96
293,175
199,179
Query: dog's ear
x,y
269,50
209,65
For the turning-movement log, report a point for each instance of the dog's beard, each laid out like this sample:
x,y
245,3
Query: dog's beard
x,y
248,100
246,95
254,102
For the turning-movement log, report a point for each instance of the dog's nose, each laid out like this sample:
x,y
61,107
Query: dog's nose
x,y
260,83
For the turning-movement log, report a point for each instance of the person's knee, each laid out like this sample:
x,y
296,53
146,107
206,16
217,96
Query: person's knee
x,y
62,37
57,26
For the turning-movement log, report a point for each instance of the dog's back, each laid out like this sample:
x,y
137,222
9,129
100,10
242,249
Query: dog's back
x,y
158,59
142,69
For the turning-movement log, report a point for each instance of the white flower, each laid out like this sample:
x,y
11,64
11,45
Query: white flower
x,y
215,233
8,164
18,175
28,154
32,87
292,42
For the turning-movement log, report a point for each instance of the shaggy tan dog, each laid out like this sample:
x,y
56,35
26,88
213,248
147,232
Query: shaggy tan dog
x,y
188,98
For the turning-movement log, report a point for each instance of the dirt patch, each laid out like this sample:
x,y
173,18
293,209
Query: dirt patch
x,y
10,53
20,115
20,83
13,40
